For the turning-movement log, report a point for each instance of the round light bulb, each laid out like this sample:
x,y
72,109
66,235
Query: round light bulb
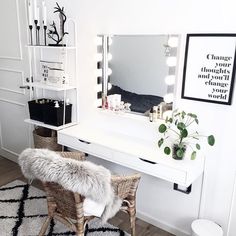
x,y
109,41
171,61
169,98
98,88
98,102
173,41
99,72
98,41
98,57
170,79
109,86
109,56
109,71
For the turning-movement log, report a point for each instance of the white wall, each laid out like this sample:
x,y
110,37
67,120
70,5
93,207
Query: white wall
x,y
159,17
139,64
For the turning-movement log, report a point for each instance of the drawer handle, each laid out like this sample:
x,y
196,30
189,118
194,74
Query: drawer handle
x,y
82,141
186,191
150,162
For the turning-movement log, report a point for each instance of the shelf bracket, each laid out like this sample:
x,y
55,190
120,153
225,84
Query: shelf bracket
x,y
186,191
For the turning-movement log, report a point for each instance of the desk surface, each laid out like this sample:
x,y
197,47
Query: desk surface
x,y
135,147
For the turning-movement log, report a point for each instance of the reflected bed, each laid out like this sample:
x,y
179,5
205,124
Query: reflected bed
x,y
139,102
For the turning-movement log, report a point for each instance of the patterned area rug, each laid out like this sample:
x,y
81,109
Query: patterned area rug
x,y
23,209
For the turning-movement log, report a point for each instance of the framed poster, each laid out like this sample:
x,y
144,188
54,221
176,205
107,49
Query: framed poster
x,y
209,68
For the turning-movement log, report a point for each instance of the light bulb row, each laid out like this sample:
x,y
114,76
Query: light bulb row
x,y
98,41
171,61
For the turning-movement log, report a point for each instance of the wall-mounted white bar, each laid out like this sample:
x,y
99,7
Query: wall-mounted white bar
x,y
105,43
173,41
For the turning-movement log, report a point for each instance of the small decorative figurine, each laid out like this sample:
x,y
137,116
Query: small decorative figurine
x,y
53,33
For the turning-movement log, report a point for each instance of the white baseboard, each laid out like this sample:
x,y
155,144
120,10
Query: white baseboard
x,y
9,156
160,224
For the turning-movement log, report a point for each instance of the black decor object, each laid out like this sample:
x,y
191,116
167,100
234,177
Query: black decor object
x,y
31,36
53,33
36,31
54,115
36,109
44,110
45,33
38,39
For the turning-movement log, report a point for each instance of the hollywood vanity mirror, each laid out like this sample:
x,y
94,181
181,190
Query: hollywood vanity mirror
x,y
139,69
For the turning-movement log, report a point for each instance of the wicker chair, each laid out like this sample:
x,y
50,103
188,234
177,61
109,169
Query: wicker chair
x,y
67,207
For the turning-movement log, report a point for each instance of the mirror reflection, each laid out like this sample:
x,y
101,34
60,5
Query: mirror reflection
x,y
136,71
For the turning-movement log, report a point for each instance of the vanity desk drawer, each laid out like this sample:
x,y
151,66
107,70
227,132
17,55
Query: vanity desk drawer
x,y
149,167
73,142
85,146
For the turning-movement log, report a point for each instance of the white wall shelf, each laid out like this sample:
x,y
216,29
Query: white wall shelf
x,y
51,47
50,87
38,123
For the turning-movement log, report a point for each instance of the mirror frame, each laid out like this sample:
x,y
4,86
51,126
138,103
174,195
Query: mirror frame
x,y
102,66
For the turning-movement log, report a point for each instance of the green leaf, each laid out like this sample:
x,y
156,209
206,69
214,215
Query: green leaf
x,y
170,120
192,115
193,155
197,121
198,146
211,140
162,128
177,114
183,133
167,150
180,153
160,142
181,126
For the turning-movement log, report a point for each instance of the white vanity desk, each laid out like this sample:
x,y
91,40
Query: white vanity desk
x,y
127,151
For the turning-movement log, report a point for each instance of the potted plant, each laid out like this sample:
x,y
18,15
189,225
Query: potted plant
x,y
179,128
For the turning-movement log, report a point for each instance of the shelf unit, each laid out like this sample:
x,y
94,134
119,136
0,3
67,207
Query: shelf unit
x,y
51,47
38,53
57,128
51,87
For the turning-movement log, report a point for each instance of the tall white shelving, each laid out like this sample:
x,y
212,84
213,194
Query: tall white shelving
x,y
40,89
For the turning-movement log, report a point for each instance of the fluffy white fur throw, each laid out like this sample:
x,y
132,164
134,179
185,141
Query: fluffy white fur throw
x,y
90,180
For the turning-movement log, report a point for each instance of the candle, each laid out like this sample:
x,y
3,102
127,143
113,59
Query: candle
x,y
35,10
30,18
44,14
37,15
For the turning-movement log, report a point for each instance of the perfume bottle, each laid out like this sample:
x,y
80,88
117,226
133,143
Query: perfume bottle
x,y
151,115
154,115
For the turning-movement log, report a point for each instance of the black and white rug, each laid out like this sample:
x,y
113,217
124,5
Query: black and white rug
x,y
23,209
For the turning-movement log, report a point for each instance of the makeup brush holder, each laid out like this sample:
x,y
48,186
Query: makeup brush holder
x,y
55,115
46,111
36,109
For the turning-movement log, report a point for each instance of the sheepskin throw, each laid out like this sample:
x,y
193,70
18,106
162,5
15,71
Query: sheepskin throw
x,y
90,180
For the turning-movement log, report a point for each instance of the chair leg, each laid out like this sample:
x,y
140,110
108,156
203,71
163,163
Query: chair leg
x,y
45,226
132,217
80,228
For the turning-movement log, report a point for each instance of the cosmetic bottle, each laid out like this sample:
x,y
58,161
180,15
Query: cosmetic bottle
x,y
56,104
159,111
154,116
151,115
67,101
